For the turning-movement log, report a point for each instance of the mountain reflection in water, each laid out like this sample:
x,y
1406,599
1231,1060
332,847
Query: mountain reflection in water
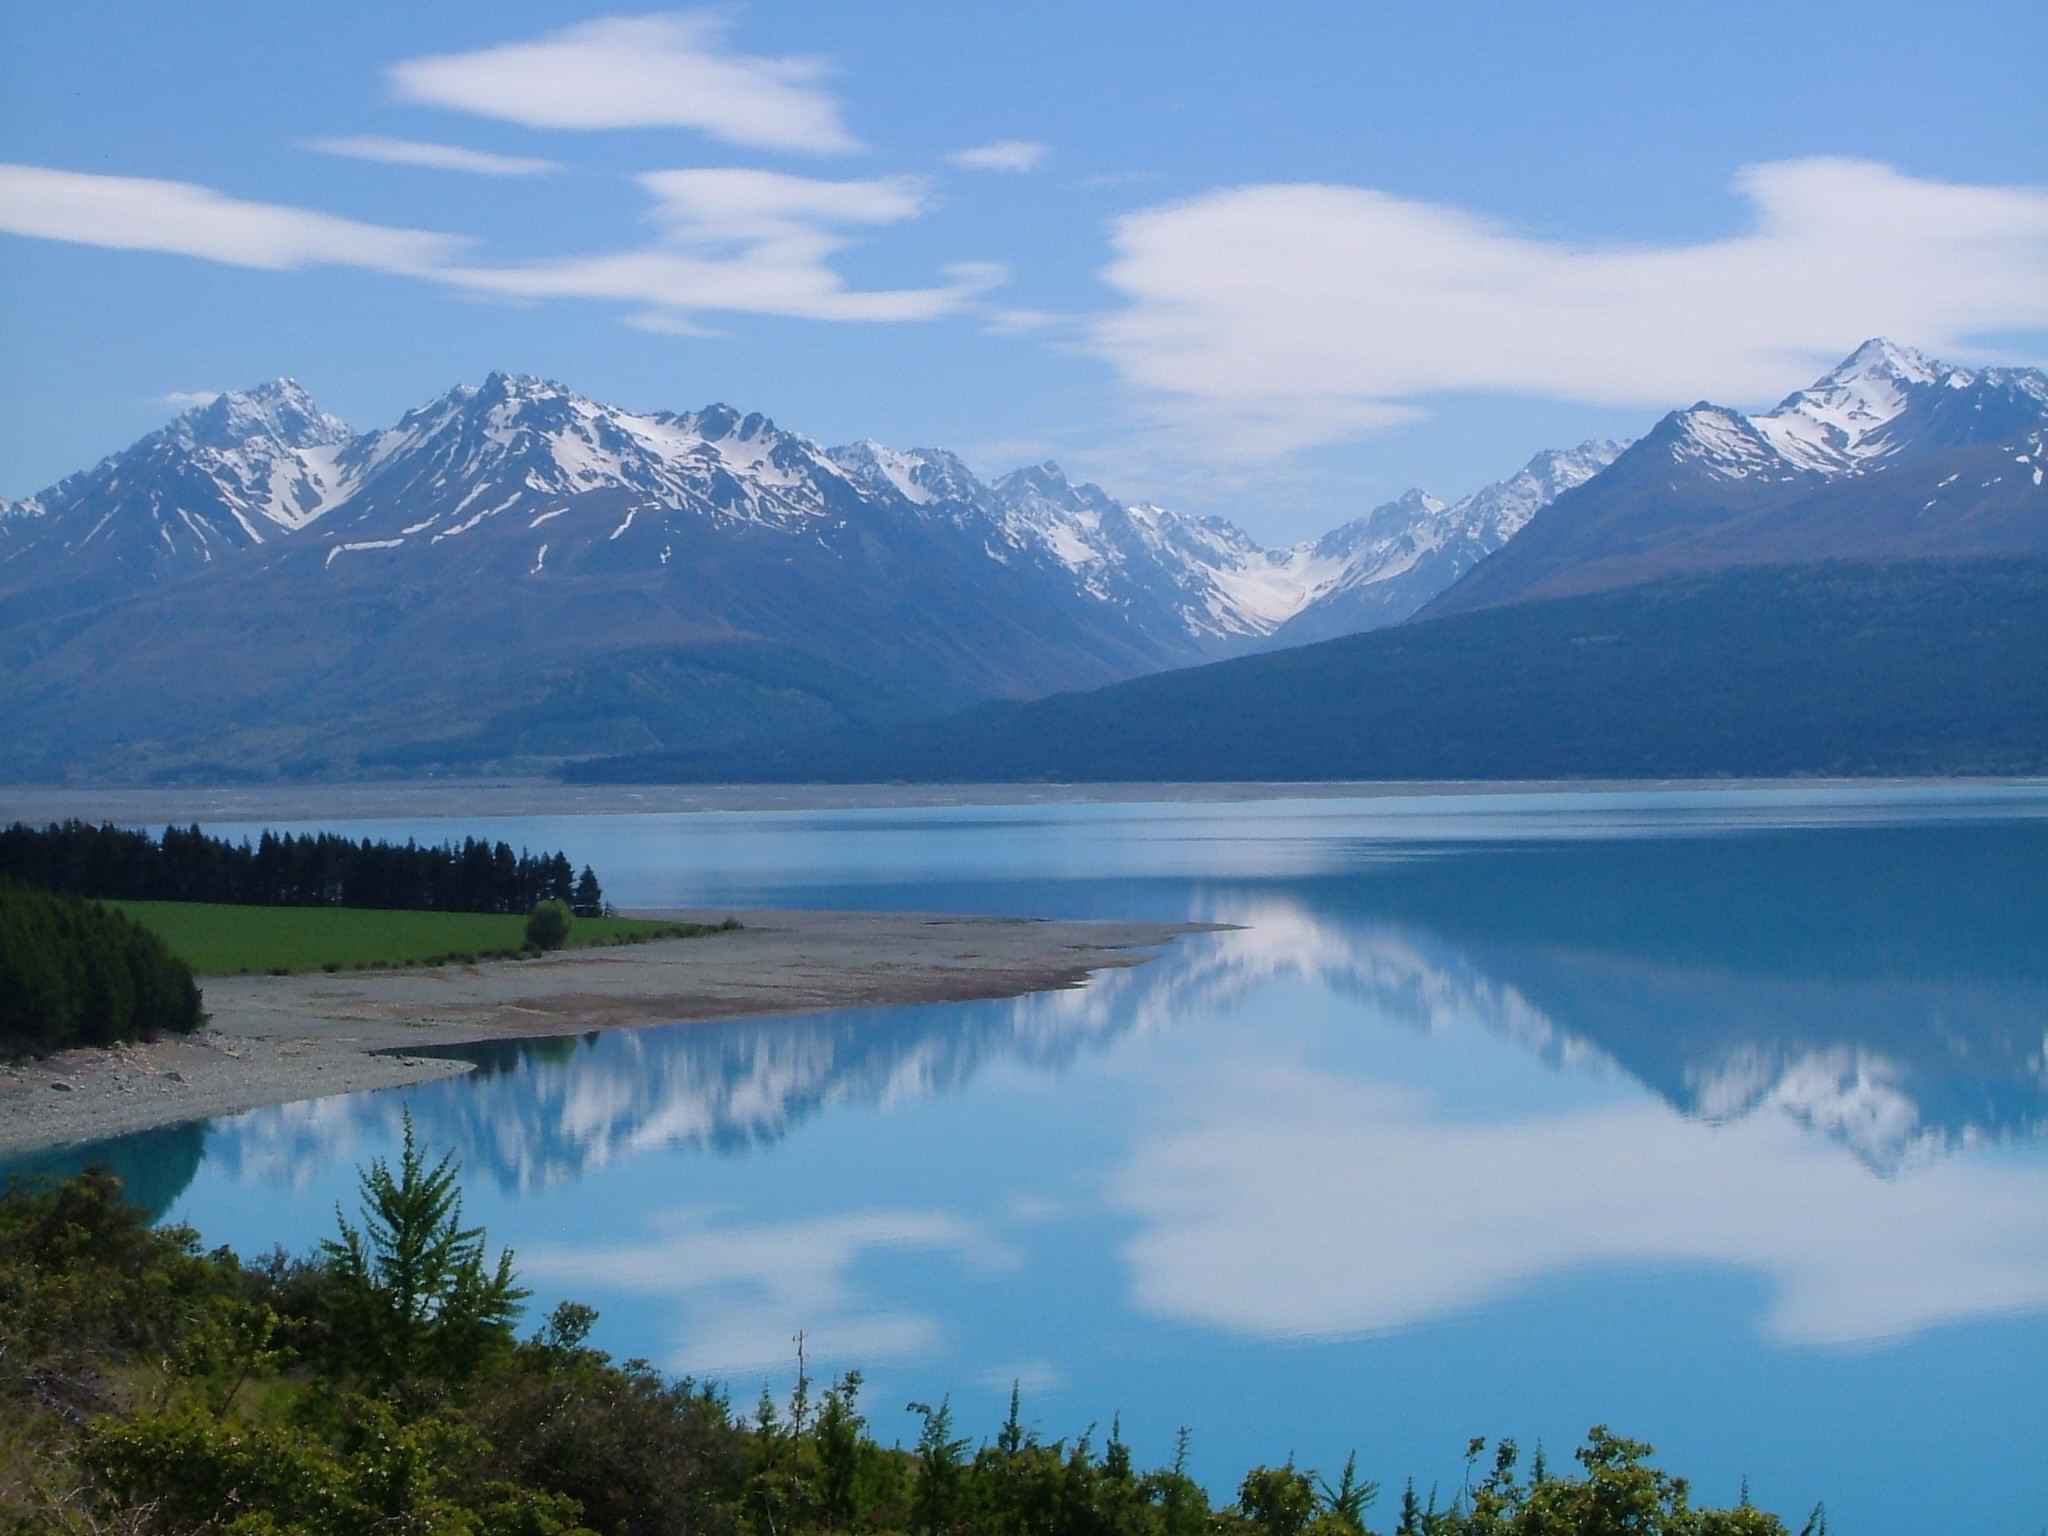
x,y
1902,1020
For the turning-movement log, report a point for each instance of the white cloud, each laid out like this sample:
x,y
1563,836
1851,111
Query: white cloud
x,y
1003,155
1231,1235
748,241
745,1290
638,72
1263,319
137,214
185,399
439,157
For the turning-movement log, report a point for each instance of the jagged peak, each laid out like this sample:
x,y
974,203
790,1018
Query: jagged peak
x,y
280,409
1881,352
1417,498
1592,450
719,421
1044,475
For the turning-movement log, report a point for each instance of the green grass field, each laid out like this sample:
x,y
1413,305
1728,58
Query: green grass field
x,y
224,940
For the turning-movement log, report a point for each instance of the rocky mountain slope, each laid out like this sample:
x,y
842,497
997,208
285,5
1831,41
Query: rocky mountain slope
x,y
1891,455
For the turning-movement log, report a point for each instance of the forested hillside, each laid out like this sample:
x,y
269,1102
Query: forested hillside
x,y
1924,667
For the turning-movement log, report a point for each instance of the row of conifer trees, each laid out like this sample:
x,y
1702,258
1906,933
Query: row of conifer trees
x,y
113,863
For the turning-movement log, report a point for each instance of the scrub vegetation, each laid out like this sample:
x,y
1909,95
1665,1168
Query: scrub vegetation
x,y
381,1384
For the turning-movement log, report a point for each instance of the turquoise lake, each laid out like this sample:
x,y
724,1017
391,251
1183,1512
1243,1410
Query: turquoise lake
x,y
1720,1117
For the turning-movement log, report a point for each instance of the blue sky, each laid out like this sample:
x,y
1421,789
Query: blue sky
x,y
1275,262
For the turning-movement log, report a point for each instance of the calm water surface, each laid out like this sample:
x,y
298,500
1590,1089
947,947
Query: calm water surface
x,y
1715,1116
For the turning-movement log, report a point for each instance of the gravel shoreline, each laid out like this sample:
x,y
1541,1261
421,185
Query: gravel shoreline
x,y
277,1039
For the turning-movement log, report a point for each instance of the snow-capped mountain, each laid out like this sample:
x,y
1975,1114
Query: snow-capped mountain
x,y
266,469
1381,568
519,445
247,468
1886,400
1889,455
1202,578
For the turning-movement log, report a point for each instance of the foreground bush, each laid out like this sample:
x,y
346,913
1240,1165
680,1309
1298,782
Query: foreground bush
x,y
379,1386
548,926
76,973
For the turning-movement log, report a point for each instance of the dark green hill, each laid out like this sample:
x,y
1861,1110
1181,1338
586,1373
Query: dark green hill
x,y
1908,668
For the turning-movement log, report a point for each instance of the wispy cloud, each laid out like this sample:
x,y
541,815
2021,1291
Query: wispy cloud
x,y
744,1290
137,214
741,241
639,72
1004,155
749,241
667,322
439,157
1021,322
740,203
1264,319
185,399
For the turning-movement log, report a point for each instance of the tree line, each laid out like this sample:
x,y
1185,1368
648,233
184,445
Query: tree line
x,y
76,973
379,1384
291,870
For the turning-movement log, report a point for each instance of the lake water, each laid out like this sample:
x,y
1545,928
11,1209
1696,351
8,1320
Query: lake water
x,y
1720,1117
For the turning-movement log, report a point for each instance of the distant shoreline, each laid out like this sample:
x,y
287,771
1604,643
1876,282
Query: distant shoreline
x,y
283,1039
457,799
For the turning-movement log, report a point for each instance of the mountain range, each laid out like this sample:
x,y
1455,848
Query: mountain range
x,y
516,571
515,576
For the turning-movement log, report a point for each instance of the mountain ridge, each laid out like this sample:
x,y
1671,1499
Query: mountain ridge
x,y
257,467
1889,455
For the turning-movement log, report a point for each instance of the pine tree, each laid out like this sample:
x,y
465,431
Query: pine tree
x,y
415,1297
589,900
940,1467
1411,1512
1351,1498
